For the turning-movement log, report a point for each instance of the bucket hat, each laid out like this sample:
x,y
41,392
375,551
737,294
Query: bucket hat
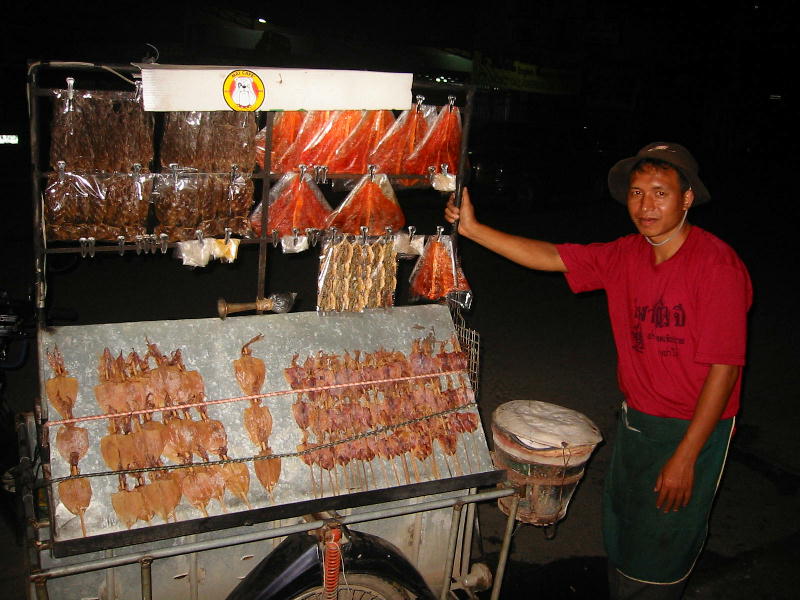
x,y
676,155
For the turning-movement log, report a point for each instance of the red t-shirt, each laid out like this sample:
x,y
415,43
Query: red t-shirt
x,y
670,321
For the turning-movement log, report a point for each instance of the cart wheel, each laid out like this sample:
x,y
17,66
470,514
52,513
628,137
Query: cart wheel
x,y
358,586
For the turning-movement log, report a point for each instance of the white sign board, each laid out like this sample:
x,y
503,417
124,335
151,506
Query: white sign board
x,y
206,88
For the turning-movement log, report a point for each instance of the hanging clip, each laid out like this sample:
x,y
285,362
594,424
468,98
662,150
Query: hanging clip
x,y
313,235
139,244
364,230
431,173
61,166
70,93
452,102
228,232
295,234
91,241
121,244
84,246
274,238
320,174
138,91
420,99
371,169
444,169
198,234
174,168
302,169
439,231
388,236
411,231
163,239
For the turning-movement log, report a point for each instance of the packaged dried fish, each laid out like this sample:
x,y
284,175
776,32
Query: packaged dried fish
x,y
313,122
372,204
70,138
295,202
351,155
320,150
401,139
438,275
441,144
285,127
356,274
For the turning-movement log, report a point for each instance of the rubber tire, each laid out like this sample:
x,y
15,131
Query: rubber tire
x,y
381,589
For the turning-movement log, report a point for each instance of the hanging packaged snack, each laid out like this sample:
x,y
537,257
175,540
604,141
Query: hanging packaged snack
x,y
295,202
313,122
186,202
407,245
441,144
356,273
285,127
71,202
351,155
127,203
320,150
234,135
371,204
211,142
437,274
100,130
401,139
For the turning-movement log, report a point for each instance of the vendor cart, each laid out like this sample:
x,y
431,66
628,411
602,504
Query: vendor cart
x,y
167,459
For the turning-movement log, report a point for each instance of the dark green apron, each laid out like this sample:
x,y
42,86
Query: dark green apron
x,y
642,542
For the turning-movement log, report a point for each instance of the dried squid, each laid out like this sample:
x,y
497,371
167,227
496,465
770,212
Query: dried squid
x,y
61,389
285,128
403,137
320,150
268,470
76,495
313,122
250,371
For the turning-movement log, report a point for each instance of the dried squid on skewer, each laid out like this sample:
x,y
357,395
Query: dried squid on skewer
x,y
250,371
61,389
76,495
268,470
72,443
131,506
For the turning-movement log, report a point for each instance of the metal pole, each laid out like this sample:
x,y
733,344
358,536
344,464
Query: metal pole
x,y
501,564
455,523
147,578
262,240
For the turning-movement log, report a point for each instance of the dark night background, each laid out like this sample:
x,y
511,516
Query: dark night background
x,y
714,76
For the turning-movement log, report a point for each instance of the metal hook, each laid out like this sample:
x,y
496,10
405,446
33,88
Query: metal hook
x,y
295,234
372,169
234,172
139,244
420,100
62,167
70,92
364,230
411,231
228,232
444,168
320,174
431,173
312,234
198,234
121,244
452,101
439,231
174,168
84,246
91,246
302,169
163,239
274,238
138,93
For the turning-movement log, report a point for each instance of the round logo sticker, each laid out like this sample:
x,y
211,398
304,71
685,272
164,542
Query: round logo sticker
x,y
243,90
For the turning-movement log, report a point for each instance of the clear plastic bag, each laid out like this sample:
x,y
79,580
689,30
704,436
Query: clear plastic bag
x,y
441,144
351,155
313,122
195,253
356,273
285,127
210,142
372,204
295,202
320,150
437,274
401,139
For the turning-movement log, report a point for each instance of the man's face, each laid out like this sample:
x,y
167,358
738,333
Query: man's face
x,y
655,202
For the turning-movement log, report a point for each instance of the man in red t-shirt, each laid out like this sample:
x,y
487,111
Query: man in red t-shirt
x,y
677,299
